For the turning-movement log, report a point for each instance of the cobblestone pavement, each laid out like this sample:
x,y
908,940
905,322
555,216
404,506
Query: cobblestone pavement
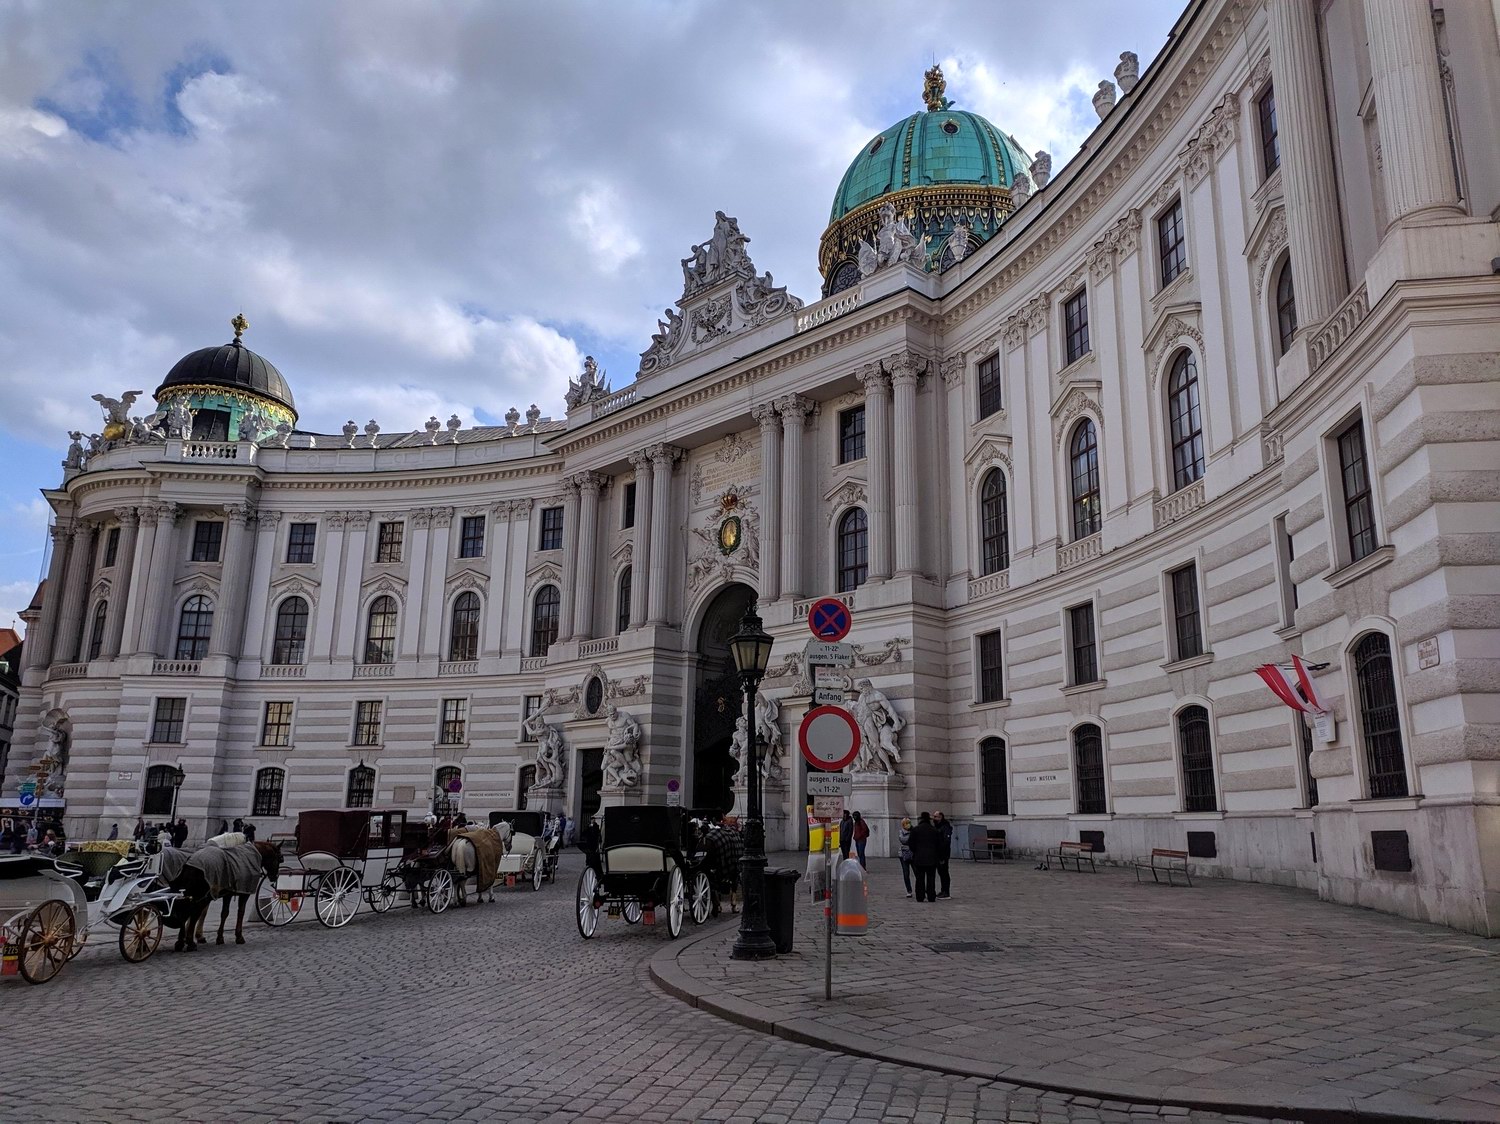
x,y
497,1012
1224,995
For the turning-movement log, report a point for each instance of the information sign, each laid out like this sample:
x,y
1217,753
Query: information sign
x,y
827,696
829,784
828,737
829,619
828,807
835,655
27,799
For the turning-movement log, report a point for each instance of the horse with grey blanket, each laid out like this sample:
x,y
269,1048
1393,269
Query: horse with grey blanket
x,y
225,866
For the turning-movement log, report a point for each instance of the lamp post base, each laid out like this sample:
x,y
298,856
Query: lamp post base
x,y
754,941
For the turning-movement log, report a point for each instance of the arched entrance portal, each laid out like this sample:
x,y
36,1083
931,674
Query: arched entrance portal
x,y
718,700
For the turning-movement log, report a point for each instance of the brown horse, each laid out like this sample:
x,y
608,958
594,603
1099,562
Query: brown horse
x,y
206,875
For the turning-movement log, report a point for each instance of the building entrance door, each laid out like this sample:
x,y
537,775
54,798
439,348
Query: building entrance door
x,y
718,701
591,779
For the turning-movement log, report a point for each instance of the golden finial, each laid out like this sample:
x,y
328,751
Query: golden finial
x,y
933,89
239,324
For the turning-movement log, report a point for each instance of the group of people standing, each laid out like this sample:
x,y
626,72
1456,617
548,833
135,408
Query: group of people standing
x,y
926,847
29,835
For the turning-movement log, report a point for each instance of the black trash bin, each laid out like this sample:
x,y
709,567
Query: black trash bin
x,y
781,905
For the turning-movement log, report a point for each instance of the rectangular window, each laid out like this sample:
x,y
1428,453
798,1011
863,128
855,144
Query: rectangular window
x,y
1281,540
208,539
455,723
471,537
301,537
627,507
852,435
991,668
1359,503
992,777
1081,640
1270,147
989,386
367,722
552,528
1305,733
268,785
1076,321
112,546
166,725
530,705
1171,241
277,727
388,540
1189,632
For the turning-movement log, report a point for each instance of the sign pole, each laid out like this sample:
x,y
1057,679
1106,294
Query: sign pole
x,y
828,890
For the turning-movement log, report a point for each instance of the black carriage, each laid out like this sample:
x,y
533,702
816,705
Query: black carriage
x,y
649,860
531,856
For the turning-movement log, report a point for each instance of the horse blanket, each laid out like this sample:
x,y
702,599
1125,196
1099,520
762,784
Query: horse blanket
x,y
487,851
228,839
228,870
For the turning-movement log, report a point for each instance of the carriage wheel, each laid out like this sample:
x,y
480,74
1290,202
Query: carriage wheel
x,y
338,896
46,941
538,872
588,912
703,898
382,897
140,933
676,903
440,891
80,938
272,908
631,911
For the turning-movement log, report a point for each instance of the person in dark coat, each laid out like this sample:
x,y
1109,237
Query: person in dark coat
x,y
248,829
179,833
590,839
924,843
945,850
846,833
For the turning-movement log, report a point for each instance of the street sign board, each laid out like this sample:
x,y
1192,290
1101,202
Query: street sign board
x,y
829,784
28,788
27,799
829,619
828,737
828,696
828,807
831,654
674,793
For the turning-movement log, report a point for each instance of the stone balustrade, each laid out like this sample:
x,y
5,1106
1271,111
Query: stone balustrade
x,y
601,647
68,671
1077,553
1171,508
829,309
174,667
533,663
800,609
216,451
374,670
1340,326
621,398
283,671
458,667
989,584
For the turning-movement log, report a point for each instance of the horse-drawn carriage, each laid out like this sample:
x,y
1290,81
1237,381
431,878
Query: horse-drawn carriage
x,y
344,856
531,855
649,859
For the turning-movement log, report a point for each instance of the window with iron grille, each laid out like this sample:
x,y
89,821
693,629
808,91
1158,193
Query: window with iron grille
x,y
159,791
471,537
112,546
1194,740
1084,462
1186,416
463,637
622,601
367,722
852,434
1171,242
300,540
208,539
994,799
361,790
627,506
1088,764
440,783
552,529
1081,639
1285,555
1185,613
1286,307
1076,322
290,643
1359,504
1380,717
991,667
96,632
545,613
455,724
276,726
1270,146
167,722
994,523
1305,732
990,401
194,627
380,633
268,786
524,780
530,705
388,542
853,550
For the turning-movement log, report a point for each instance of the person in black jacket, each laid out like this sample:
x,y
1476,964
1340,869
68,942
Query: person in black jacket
x,y
945,850
924,844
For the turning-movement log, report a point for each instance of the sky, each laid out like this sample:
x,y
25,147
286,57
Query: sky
x,y
442,207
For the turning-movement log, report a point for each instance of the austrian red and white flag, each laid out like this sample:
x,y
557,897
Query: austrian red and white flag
x,y
1293,686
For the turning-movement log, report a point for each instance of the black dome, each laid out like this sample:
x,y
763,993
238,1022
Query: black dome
x,y
234,366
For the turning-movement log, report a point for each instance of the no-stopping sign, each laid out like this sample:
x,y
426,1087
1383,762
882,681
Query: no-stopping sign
x,y
828,737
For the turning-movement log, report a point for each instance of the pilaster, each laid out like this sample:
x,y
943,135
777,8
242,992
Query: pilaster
x,y
906,370
75,591
114,629
640,574
663,457
770,500
877,384
793,410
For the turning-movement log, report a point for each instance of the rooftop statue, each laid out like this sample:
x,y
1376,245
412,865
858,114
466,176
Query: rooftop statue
x,y
590,386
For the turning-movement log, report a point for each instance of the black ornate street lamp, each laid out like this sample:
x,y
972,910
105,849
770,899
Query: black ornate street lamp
x,y
178,776
751,647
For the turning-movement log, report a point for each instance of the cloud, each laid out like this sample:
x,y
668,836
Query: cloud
x,y
15,596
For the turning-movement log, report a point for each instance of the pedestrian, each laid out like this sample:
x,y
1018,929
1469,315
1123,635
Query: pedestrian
x,y
140,828
945,851
589,841
179,833
923,841
114,831
846,834
248,829
903,837
861,837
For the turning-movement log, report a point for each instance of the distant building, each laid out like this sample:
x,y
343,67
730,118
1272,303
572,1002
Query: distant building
x,y
10,694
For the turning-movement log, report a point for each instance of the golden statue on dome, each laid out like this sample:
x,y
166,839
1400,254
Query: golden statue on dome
x,y
239,324
933,88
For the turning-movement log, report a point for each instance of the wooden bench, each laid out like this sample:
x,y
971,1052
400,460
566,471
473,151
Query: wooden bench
x,y
1074,852
987,843
1168,862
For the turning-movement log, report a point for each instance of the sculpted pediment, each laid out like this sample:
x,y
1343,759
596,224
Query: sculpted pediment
x,y
1175,322
990,451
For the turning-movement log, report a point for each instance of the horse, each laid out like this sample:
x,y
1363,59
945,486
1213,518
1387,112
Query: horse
x,y
466,859
211,872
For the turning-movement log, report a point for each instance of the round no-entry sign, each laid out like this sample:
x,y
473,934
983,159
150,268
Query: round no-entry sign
x,y
829,619
828,737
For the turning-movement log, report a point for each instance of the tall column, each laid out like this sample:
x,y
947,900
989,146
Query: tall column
x,y
640,558
663,457
75,592
793,410
337,631
569,556
516,605
39,654
434,598
157,589
229,617
906,370
140,581
411,610
492,636
258,598
770,500
589,485
878,449
1312,201
1416,165
119,597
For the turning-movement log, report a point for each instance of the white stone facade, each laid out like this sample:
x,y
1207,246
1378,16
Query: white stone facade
x,y
1382,203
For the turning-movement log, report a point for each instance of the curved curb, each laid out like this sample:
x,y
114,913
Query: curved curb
x,y
671,978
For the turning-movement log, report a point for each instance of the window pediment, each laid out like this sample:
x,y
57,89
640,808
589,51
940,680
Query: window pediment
x,y
985,455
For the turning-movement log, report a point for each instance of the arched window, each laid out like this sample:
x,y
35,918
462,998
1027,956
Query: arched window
x,y
1380,716
1186,420
994,799
545,612
1083,457
463,640
444,798
361,790
994,523
1195,744
96,630
622,601
523,785
1286,306
159,791
193,628
290,644
853,550
380,636
1088,764
268,786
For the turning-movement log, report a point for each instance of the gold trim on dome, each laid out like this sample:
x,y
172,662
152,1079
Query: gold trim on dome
x,y
241,397
930,202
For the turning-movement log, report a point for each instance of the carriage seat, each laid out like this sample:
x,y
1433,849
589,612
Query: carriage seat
x,y
25,866
521,844
636,860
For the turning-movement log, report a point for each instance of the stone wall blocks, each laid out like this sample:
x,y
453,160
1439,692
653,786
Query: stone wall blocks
x,y
1219,590
1118,629
1263,619
1255,539
1473,742
1259,780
